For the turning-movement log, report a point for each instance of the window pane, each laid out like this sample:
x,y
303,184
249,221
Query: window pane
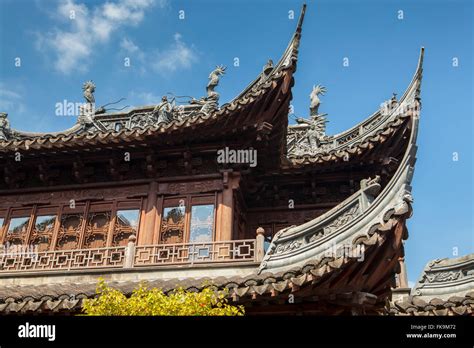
x,y
97,229
202,223
17,230
69,230
43,231
45,223
126,224
172,225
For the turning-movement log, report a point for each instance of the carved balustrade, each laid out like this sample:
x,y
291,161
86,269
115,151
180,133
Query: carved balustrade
x,y
28,259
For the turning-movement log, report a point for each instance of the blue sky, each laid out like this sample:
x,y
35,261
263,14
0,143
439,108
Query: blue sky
x,y
169,54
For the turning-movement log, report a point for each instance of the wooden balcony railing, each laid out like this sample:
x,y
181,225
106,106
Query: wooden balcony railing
x,y
191,253
130,256
11,261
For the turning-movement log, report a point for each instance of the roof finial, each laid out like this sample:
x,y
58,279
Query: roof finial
x,y
300,21
89,88
4,126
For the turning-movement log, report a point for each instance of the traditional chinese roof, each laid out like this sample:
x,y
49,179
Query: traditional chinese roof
x,y
348,254
369,226
375,129
139,124
446,287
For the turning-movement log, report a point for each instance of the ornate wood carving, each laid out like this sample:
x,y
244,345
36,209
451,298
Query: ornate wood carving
x,y
190,187
69,231
42,232
96,230
77,195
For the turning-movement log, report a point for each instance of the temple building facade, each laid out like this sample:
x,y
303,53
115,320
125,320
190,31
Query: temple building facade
x,y
287,218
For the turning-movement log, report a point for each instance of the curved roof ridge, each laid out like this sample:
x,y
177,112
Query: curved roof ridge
x,y
261,83
290,51
76,127
374,123
416,81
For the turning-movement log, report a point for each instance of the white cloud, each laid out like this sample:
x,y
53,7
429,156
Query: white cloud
x,y
88,29
179,55
128,45
411,284
11,101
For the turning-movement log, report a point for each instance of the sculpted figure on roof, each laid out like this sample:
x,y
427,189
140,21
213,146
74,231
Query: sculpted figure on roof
x,y
89,89
164,110
316,129
214,78
211,102
267,69
4,126
315,102
86,115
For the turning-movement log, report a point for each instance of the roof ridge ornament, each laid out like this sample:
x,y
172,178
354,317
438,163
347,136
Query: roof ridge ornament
x,y
87,111
311,130
4,126
211,102
268,67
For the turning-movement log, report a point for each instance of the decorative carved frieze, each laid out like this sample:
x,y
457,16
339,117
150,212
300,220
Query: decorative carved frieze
x,y
190,187
66,196
346,216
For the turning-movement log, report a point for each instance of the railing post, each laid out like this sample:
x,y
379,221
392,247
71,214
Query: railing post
x,y
130,252
260,245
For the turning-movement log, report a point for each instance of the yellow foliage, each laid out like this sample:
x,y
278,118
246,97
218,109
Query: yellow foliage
x,y
144,301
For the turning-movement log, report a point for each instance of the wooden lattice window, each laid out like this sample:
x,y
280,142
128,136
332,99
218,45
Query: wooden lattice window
x,y
97,229
42,232
173,222
17,230
69,231
126,224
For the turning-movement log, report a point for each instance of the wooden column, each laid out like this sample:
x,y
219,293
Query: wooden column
x,y
156,232
113,220
260,245
150,216
225,210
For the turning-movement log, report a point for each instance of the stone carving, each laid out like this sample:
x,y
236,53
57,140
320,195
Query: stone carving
x,y
315,102
211,102
443,276
405,200
208,104
214,78
308,136
388,106
267,69
142,120
164,110
343,219
316,127
289,246
89,89
87,110
368,182
4,126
